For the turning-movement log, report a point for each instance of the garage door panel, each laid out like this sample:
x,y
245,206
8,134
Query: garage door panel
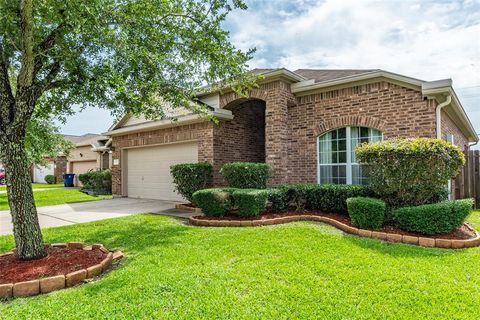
x,y
40,172
148,170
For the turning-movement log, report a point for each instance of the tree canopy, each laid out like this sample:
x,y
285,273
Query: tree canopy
x,y
127,56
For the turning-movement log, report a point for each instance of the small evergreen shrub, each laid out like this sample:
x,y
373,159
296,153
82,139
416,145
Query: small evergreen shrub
x,y
366,213
437,218
278,199
333,197
190,177
250,202
50,179
410,172
97,181
297,195
246,175
323,197
215,202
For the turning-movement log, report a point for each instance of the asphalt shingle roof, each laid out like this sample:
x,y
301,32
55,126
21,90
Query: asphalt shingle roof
x,y
320,75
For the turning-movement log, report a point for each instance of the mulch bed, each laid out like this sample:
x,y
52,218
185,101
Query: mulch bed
x,y
59,261
461,233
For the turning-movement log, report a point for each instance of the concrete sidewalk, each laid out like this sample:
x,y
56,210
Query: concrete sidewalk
x,y
68,214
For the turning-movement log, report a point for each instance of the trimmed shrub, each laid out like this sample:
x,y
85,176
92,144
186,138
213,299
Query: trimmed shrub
x,y
215,202
323,197
278,199
246,175
409,172
297,195
50,179
250,202
333,197
97,181
366,213
443,217
190,177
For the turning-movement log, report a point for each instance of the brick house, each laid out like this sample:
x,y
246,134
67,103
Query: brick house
x,y
91,152
305,124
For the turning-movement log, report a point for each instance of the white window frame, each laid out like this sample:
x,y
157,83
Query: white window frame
x,y
349,162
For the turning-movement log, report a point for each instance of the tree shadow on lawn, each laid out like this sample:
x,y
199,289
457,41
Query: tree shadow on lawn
x,y
140,233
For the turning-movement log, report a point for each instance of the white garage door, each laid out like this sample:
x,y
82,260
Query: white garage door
x,y
148,170
39,173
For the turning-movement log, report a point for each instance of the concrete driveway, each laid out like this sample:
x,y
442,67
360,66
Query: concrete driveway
x,y
68,214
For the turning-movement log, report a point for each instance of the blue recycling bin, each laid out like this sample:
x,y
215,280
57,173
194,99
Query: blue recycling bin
x,y
68,179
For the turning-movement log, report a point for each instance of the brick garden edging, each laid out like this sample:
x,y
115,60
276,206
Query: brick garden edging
x,y
391,237
54,283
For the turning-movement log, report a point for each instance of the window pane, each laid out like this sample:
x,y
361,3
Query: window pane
x,y
333,174
333,154
364,132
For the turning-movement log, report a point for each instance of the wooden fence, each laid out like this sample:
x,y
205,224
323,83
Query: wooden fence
x,y
467,184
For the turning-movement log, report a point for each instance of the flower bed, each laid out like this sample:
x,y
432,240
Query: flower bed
x,y
66,265
464,237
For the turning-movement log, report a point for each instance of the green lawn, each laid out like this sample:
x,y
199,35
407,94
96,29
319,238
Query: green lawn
x,y
302,270
54,197
40,186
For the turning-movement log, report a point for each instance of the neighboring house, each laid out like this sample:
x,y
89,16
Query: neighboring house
x,y
305,124
91,152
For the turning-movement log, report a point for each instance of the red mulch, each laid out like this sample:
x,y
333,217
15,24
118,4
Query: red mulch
x,y
58,261
461,233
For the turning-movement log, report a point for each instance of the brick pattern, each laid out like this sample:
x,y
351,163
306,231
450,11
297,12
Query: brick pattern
x,y
459,139
395,110
240,139
448,126
61,163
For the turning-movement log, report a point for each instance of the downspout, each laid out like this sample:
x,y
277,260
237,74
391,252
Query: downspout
x,y
438,112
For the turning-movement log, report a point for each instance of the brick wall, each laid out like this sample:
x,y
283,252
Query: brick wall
x,y
202,132
448,126
240,139
60,168
395,110
459,139
277,97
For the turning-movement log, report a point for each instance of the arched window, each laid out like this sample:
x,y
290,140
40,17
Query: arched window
x,y
336,154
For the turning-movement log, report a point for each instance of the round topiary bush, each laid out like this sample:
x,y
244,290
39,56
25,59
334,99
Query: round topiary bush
x,y
366,213
190,177
50,179
246,175
215,202
410,171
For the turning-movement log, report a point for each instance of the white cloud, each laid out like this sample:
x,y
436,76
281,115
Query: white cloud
x,y
425,39
429,40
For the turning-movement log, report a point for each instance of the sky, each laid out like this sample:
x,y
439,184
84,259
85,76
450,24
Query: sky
x,y
429,40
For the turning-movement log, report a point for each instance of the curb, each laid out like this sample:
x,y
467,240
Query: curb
x,y
385,236
58,282
182,206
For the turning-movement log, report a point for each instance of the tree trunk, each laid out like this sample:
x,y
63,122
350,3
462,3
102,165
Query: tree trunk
x,y
26,229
